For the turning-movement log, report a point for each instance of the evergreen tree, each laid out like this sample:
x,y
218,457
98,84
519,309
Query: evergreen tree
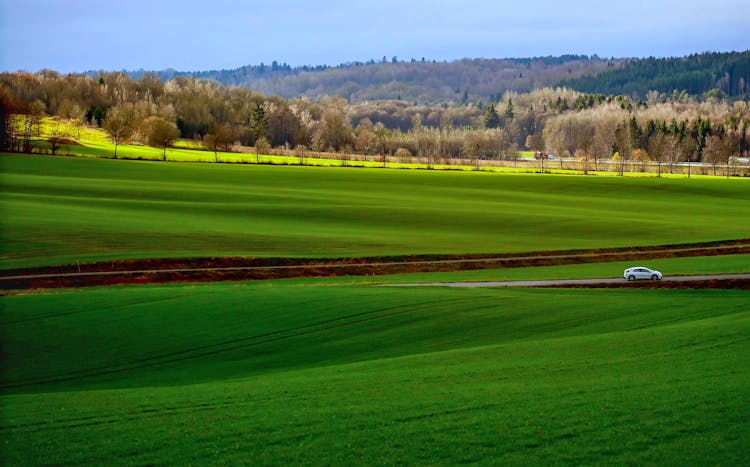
x,y
509,113
491,117
258,122
636,134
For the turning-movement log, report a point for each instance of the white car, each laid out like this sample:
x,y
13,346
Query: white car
x,y
639,272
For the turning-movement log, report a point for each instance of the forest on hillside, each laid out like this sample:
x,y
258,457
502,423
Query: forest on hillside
x,y
727,73
662,126
417,81
427,82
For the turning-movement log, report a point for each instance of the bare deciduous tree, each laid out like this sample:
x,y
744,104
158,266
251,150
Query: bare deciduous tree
x,y
160,133
333,131
56,139
120,124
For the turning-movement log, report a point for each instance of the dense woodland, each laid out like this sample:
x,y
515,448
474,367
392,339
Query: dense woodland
x,y
726,73
418,81
671,126
429,82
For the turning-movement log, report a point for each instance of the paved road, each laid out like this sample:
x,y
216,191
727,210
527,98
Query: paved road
x,y
568,282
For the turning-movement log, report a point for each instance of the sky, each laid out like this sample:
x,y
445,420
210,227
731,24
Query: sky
x,y
75,36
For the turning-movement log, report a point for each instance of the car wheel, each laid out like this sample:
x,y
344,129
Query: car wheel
x,y
654,277
631,277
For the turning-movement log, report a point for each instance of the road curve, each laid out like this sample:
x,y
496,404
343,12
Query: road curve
x,y
572,282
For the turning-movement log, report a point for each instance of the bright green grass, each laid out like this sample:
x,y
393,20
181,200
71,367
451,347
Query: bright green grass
x,y
188,144
62,210
95,142
187,151
277,373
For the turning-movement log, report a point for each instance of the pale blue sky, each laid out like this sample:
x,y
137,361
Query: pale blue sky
x,y
69,36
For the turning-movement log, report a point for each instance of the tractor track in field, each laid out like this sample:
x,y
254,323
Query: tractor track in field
x,y
231,345
212,269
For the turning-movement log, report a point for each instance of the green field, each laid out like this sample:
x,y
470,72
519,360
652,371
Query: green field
x,y
63,210
96,142
336,371
283,372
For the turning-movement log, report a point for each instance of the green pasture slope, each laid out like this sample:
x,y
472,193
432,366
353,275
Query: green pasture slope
x,y
63,210
285,372
331,371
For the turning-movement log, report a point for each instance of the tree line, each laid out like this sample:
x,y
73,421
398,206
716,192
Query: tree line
x,y
567,123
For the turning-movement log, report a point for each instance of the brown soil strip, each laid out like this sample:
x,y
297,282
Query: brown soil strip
x,y
148,271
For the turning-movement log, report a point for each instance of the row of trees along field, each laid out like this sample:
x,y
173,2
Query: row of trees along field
x,y
667,127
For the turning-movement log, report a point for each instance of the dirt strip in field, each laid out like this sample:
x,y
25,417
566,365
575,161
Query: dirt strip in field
x,y
237,268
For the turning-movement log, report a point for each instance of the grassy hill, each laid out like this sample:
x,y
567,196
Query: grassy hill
x,y
336,371
289,372
63,210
